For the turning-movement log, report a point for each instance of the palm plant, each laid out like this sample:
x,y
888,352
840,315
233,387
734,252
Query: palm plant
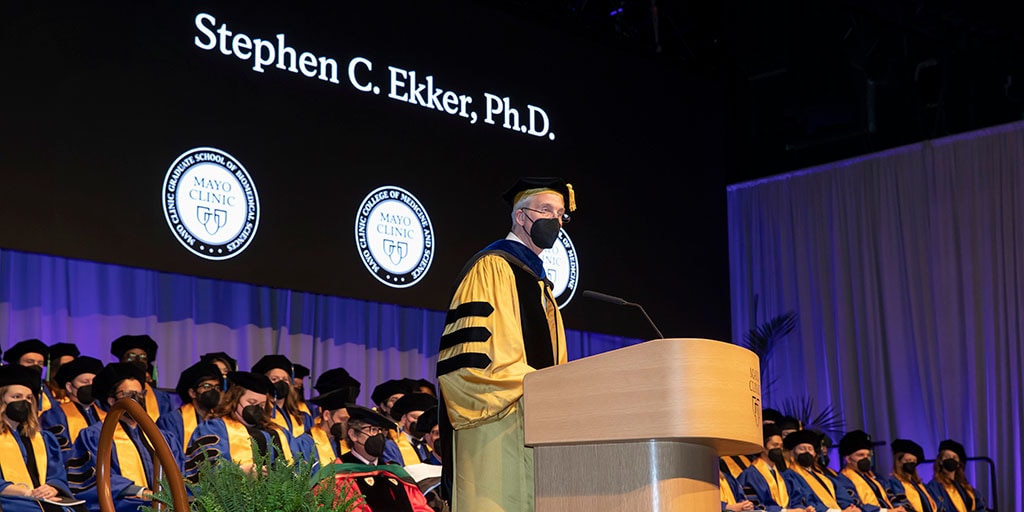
x,y
763,339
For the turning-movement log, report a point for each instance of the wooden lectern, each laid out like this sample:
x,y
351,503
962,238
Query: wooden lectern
x,y
641,428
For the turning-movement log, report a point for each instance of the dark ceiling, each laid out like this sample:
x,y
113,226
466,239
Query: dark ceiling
x,y
810,82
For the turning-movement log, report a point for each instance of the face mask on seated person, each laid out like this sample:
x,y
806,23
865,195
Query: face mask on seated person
x,y
19,411
281,389
374,445
948,464
252,414
864,465
209,399
805,459
84,394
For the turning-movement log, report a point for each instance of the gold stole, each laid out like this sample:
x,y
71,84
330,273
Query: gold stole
x,y
76,421
297,427
240,442
304,408
725,490
915,498
409,455
44,402
824,493
14,466
778,488
954,497
734,468
128,458
152,406
323,446
864,490
188,422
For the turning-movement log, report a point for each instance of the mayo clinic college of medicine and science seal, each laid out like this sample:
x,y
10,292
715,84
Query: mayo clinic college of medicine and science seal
x,y
394,236
210,203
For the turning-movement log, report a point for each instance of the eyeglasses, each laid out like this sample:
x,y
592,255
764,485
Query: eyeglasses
x,y
136,357
550,214
207,386
134,395
371,430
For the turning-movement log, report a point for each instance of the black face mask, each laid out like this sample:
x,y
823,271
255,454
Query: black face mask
x,y
208,399
281,389
84,394
374,445
37,369
252,415
864,465
909,467
544,232
805,459
337,431
775,455
19,411
948,464
140,365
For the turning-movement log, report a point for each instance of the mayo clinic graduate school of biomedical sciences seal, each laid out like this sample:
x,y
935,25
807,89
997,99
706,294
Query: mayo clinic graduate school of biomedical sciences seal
x,y
394,236
210,203
562,268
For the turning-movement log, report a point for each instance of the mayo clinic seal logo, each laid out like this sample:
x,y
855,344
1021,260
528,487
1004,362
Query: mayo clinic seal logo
x,y
562,268
210,203
394,237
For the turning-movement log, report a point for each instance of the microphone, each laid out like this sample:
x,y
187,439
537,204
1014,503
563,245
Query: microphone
x,y
618,301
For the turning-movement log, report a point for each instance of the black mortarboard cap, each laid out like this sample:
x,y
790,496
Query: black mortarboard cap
x,y
800,437
954,447
271,361
80,365
425,423
907,446
771,416
193,375
385,389
412,402
32,346
853,441
516,192
789,423
220,356
301,372
255,382
129,341
768,430
369,416
16,374
332,400
107,380
336,379
59,350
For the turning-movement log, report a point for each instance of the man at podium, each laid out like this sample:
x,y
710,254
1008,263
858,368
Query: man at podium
x,y
503,322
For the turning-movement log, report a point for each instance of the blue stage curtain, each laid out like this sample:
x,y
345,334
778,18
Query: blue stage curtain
x,y
907,271
90,304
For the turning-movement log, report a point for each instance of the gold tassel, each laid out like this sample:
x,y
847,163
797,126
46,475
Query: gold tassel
x,y
572,197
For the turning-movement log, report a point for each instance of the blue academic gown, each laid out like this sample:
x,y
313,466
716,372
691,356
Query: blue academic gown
x,y
56,476
943,500
82,471
307,420
802,495
55,420
894,487
846,494
734,486
164,400
752,478
173,428
211,438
